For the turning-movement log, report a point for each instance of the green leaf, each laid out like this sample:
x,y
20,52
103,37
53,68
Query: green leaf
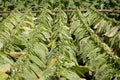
x,y
1,45
37,71
111,32
41,51
81,70
69,74
36,60
102,26
47,73
28,74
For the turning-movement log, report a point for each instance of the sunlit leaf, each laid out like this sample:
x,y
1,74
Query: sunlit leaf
x,y
3,76
15,54
6,68
111,32
69,74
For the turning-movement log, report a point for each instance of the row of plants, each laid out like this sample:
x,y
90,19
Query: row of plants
x,y
106,28
95,54
49,46
64,4
59,4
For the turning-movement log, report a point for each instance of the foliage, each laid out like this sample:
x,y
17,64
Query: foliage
x,y
106,28
92,51
52,4
49,46
39,45
44,47
59,4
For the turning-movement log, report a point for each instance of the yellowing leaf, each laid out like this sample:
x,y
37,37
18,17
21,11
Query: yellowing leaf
x,y
5,68
15,54
3,76
53,45
52,62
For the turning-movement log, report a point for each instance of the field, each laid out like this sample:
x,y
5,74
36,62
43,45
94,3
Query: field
x,y
40,40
